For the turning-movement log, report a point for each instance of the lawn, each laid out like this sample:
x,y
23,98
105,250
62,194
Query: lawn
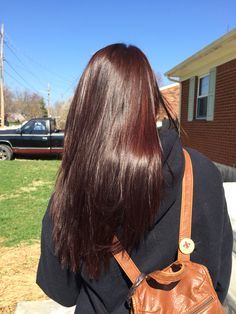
x,y
26,186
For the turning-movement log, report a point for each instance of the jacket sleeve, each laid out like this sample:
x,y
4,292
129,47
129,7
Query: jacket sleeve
x,y
225,258
59,284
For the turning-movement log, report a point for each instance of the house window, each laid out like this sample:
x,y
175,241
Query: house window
x,y
203,87
205,104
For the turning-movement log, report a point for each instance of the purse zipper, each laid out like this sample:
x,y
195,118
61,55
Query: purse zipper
x,y
202,305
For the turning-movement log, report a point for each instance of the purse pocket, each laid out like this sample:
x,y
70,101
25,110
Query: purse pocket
x,y
199,308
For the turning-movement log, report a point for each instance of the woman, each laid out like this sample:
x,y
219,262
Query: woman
x,y
121,176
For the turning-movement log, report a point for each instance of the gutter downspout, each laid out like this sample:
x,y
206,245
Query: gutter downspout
x,y
173,80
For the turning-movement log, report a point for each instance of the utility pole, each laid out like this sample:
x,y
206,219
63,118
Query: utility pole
x,y
2,78
49,99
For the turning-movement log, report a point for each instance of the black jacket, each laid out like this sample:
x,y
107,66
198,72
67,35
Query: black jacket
x,y
211,232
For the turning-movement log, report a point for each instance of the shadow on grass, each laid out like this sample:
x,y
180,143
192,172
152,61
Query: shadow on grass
x,y
38,157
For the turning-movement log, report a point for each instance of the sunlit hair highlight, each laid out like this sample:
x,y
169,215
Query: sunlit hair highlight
x,y
111,173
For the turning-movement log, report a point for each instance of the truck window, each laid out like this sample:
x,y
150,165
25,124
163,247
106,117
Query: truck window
x,y
39,127
27,128
53,126
35,127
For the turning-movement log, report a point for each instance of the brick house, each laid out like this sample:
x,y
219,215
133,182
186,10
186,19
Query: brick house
x,y
208,100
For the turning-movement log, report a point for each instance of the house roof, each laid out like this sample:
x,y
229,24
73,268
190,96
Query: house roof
x,y
171,94
15,117
218,52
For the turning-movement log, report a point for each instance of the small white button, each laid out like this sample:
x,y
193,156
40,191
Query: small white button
x,y
186,246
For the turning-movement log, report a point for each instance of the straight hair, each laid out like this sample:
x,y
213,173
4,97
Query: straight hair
x,y
109,182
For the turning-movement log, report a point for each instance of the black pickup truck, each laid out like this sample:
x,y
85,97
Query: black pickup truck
x,y
37,136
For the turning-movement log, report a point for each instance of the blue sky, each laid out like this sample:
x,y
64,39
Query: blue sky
x,y
52,40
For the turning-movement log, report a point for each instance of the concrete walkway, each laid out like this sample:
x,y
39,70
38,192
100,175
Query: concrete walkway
x,y
42,307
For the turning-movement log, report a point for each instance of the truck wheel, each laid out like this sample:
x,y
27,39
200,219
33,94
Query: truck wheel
x,y
6,152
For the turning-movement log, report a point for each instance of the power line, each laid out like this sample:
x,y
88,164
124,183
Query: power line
x,y
42,86
45,92
12,77
70,87
20,83
9,47
15,50
36,62
25,68
23,85
21,77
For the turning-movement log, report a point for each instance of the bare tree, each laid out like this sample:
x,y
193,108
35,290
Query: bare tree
x,y
60,111
159,79
31,105
9,98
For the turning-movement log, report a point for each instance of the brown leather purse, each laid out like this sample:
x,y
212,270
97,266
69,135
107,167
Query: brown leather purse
x,y
182,287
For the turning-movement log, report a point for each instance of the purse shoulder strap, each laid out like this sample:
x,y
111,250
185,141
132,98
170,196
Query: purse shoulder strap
x,y
186,207
123,258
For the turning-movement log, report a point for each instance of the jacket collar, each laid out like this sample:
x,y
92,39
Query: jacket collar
x,y
173,168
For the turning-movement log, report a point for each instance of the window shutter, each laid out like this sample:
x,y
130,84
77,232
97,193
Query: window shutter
x,y
191,95
211,95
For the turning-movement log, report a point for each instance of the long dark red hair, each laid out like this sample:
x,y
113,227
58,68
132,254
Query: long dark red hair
x,y
110,178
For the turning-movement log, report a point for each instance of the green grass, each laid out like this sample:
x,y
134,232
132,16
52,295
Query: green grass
x,y
25,188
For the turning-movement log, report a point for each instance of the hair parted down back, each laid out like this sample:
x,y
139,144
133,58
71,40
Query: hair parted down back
x,y
111,173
